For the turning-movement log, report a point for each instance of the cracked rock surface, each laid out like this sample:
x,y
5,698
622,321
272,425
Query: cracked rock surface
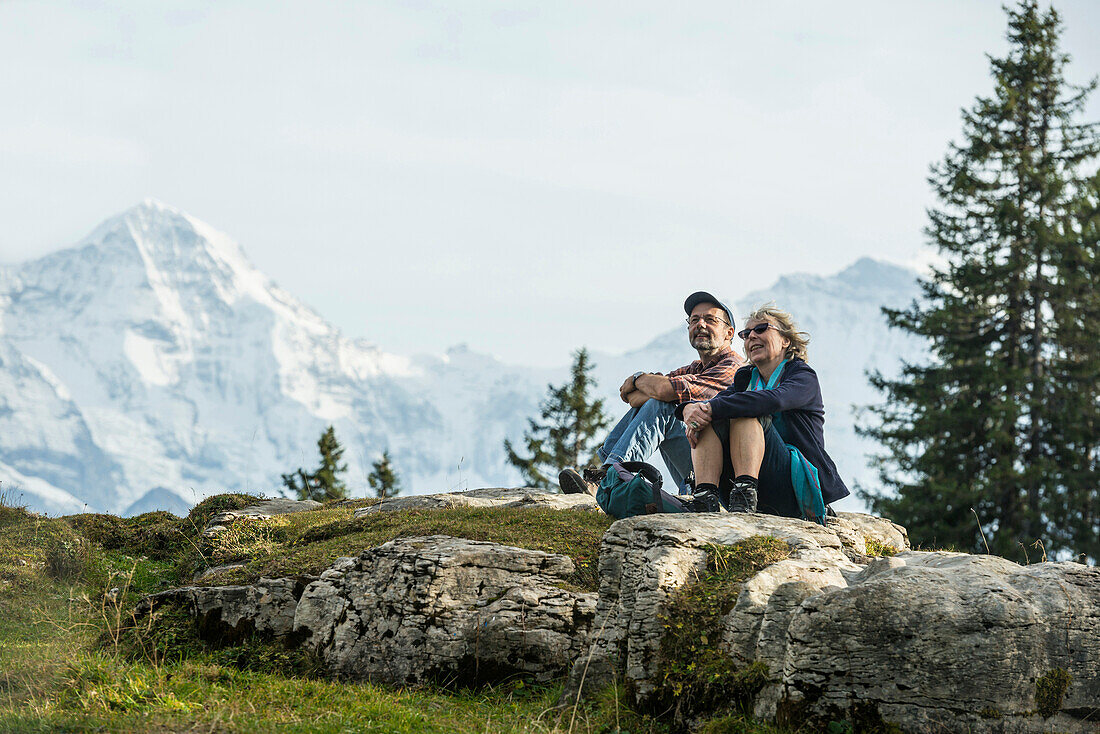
x,y
445,609
950,642
645,559
233,612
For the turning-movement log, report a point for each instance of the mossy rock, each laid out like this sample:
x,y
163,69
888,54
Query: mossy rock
x,y
699,678
170,635
203,512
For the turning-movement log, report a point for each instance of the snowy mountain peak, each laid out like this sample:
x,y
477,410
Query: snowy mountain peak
x,y
179,251
877,274
180,366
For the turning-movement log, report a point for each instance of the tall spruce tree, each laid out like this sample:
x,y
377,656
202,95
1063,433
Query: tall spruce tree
x,y
1001,425
325,483
570,422
1074,434
383,478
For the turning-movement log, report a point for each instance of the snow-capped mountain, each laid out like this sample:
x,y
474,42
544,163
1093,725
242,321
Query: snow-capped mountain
x,y
152,357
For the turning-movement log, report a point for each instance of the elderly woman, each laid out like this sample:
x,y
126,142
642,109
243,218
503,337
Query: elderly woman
x,y
771,420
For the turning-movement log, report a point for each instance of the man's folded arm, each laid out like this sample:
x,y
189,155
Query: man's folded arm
x,y
655,386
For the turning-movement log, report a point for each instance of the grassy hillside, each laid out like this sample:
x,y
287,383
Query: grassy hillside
x,y
71,658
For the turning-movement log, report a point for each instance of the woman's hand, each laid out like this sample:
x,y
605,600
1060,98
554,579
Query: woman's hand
x,y
697,416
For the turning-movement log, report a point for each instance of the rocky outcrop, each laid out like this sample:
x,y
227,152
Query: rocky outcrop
x,y
834,631
234,612
442,608
424,609
489,497
924,641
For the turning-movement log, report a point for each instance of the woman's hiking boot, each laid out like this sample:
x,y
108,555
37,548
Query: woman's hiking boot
x,y
742,496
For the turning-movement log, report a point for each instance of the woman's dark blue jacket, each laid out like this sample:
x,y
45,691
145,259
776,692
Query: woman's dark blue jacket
x,y
798,396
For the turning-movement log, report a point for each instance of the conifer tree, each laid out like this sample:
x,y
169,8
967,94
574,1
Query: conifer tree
x,y
383,479
302,484
565,436
1000,425
325,483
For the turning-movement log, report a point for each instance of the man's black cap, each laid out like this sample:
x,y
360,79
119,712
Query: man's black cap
x,y
703,297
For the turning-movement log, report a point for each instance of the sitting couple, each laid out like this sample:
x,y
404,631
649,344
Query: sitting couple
x,y
752,433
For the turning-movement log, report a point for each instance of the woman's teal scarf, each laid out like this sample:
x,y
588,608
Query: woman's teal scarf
x,y
804,477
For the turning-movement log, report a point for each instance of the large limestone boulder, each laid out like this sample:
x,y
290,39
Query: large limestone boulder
x,y
445,609
422,609
646,559
924,641
951,642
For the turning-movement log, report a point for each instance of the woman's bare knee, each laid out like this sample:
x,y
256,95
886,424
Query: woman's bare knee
x,y
745,425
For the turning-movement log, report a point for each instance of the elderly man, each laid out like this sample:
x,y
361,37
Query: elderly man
x,y
651,423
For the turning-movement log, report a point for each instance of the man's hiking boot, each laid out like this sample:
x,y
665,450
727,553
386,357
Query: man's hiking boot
x,y
572,481
742,497
705,501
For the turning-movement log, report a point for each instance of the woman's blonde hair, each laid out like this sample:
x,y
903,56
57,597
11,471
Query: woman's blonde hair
x,y
787,327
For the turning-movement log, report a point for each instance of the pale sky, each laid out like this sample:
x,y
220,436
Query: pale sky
x,y
523,177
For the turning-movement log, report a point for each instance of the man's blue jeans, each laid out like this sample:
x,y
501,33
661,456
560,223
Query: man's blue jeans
x,y
647,429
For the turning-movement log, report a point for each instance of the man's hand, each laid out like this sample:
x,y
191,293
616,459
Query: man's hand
x,y
649,385
627,388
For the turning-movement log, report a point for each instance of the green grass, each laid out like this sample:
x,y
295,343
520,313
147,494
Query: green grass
x,y
311,549
100,692
70,659
877,548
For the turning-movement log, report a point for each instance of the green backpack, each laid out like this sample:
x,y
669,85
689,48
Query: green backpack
x,y
632,488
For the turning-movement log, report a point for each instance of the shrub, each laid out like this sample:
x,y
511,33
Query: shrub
x,y
877,548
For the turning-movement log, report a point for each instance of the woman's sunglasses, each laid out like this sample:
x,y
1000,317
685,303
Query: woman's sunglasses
x,y
758,329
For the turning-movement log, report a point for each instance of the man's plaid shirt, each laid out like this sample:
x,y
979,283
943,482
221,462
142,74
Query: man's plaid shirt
x,y
698,381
